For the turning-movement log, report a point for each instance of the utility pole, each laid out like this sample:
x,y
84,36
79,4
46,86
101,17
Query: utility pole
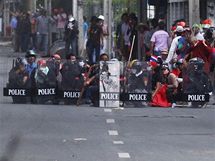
x,y
80,26
6,17
194,14
32,4
75,9
108,20
143,18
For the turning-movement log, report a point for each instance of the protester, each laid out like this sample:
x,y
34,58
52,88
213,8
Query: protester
x,y
71,37
85,33
173,48
33,31
94,43
144,41
13,24
159,96
105,33
159,40
54,31
25,32
197,35
61,22
92,83
43,22
124,38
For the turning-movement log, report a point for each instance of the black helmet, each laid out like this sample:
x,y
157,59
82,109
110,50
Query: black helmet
x,y
179,62
197,63
30,53
19,61
136,66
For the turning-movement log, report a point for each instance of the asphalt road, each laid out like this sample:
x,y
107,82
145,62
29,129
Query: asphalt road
x,y
64,133
69,133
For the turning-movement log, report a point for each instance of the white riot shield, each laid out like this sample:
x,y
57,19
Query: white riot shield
x,y
109,85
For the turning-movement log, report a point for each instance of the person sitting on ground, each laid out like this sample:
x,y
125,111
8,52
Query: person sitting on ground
x,y
18,78
92,91
165,82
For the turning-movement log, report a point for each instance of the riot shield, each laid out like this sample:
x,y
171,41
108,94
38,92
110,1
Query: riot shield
x,y
109,84
196,83
137,88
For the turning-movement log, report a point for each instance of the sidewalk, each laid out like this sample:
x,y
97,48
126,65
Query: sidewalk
x,y
5,43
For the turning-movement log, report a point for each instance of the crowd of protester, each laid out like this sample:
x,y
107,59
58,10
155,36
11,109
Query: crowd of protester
x,y
168,54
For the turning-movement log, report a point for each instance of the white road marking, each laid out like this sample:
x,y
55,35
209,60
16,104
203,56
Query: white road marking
x,y
80,139
107,110
110,121
119,108
113,132
118,142
124,155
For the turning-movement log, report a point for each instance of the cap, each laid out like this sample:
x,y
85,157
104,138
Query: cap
x,y
101,17
42,62
196,26
181,23
179,29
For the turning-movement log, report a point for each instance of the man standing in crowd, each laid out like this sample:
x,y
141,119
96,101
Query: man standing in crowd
x,y
172,51
61,21
105,33
125,32
54,26
13,24
94,40
159,40
43,22
25,32
71,37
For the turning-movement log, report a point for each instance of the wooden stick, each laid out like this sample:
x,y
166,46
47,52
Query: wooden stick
x,y
131,51
85,82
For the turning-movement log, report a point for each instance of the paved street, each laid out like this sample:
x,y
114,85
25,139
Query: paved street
x,y
70,133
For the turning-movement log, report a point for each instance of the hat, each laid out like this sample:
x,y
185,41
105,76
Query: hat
x,y
181,23
101,17
196,26
179,29
42,62
71,19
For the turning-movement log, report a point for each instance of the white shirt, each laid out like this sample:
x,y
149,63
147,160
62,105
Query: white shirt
x,y
126,35
172,51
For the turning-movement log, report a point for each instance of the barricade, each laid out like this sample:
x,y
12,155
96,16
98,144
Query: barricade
x,y
113,84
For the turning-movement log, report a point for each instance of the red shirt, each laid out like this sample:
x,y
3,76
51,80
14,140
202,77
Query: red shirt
x,y
203,51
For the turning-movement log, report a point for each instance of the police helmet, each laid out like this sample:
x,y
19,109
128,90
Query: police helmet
x,y
136,66
165,66
30,53
197,63
19,62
